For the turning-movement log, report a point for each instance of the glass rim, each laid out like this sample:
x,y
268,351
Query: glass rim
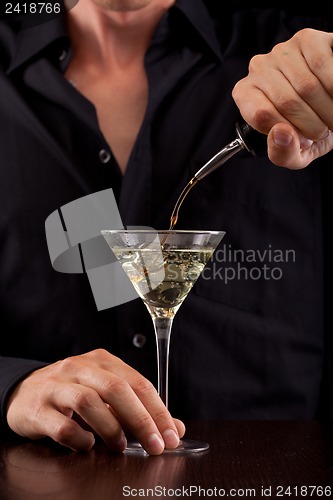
x,y
163,231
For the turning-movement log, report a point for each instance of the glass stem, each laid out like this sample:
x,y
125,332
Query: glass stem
x,y
162,331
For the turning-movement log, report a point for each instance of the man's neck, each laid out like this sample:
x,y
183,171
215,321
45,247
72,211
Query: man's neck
x,y
102,36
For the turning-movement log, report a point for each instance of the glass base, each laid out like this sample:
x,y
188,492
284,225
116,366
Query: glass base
x,y
185,446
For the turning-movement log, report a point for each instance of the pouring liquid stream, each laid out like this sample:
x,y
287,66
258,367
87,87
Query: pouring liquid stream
x,y
175,212
246,138
181,198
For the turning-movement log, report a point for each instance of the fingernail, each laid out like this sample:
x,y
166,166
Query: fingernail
x,y
155,444
305,143
282,138
171,438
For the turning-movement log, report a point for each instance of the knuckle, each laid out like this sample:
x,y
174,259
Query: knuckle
x,y
102,357
100,353
316,63
68,365
262,120
256,63
84,398
236,91
143,420
50,386
288,106
304,33
116,386
143,387
64,432
280,49
114,434
161,416
307,87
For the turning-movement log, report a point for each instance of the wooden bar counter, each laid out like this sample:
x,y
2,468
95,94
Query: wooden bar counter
x,y
245,459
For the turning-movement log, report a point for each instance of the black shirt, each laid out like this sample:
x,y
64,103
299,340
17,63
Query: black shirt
x,y
248,342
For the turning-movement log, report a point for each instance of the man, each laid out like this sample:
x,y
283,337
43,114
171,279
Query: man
x,y
136,95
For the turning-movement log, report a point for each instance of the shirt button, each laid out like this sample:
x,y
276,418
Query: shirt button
x,y
63,55
139,340
104,156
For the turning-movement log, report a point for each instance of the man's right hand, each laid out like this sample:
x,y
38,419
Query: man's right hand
x,y
93,393
288,95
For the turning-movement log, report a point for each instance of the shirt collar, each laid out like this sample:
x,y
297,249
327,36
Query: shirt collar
x,y
197,14
32,41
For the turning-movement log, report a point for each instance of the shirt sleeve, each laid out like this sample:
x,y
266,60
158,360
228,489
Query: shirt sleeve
x,y
12,371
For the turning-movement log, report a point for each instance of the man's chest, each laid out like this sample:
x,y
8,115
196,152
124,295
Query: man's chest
x,y
120,100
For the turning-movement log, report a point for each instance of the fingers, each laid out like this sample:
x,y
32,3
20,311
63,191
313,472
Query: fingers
x,y
65,431
45,421
316,47
275,99
284,147
291,84
100,392
180,427
287,148
134,402
87,404
305,85
138,409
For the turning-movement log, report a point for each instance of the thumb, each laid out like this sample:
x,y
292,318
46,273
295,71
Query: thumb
x,y
286,147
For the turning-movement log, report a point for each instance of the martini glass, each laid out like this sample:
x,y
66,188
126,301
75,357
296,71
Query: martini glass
x,y
163,267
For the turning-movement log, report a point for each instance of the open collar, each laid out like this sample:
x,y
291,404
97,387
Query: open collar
x,y
197,14
32,41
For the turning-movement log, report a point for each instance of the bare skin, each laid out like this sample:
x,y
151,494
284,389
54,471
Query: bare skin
x,y
110,39
96,393
288,94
